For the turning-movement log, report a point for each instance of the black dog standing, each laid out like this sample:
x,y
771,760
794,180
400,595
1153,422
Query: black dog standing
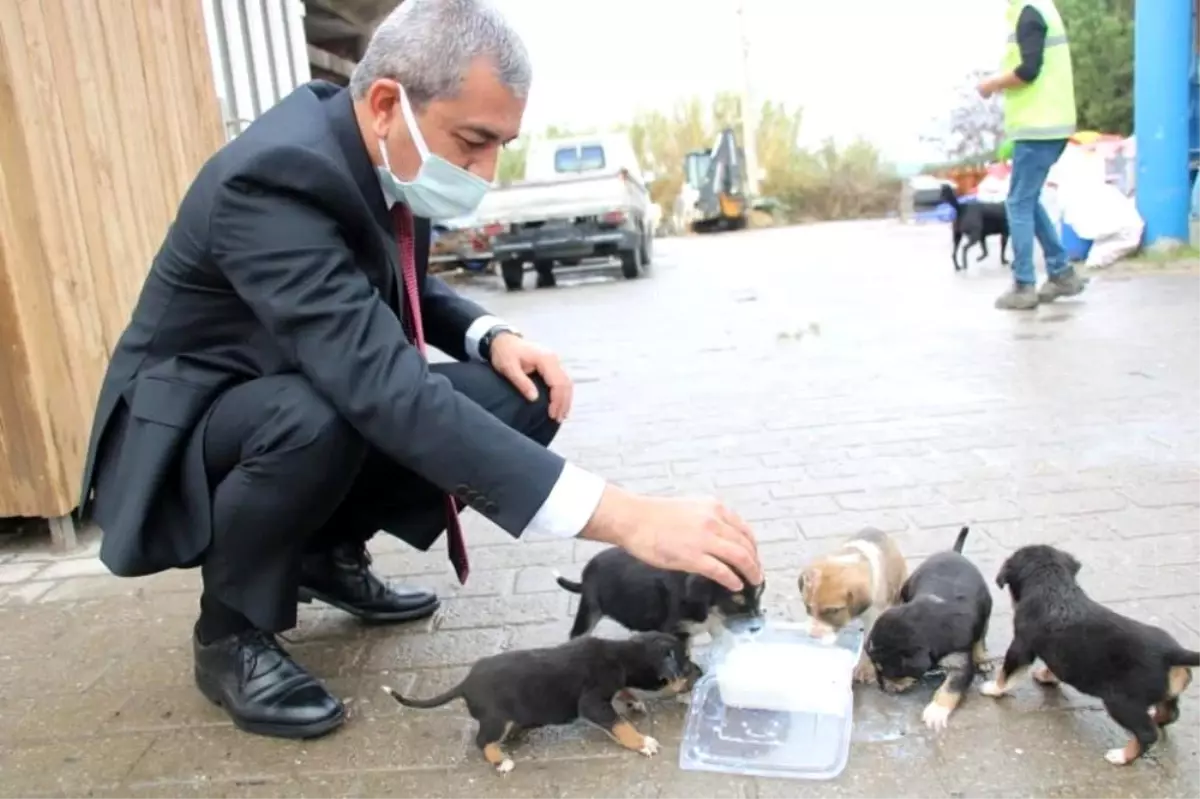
x,y
975,222
1136,669
522,690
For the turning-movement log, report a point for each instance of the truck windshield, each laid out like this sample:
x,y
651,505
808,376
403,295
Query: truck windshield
x,y
587,158
696,168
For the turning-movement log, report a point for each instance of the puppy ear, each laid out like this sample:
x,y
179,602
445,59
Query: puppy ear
x,y
1070,563
808,580
858,600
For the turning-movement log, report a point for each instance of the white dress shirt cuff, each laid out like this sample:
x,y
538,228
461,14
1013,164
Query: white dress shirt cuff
x,y
570,505
475,333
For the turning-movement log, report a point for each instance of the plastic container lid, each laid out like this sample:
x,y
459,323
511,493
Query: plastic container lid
x,y
774,702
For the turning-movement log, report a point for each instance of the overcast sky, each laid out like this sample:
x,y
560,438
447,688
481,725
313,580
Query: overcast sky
x,y
882,69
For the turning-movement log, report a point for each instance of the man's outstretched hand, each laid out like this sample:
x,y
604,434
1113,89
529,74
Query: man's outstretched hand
x,y
516,359
700,536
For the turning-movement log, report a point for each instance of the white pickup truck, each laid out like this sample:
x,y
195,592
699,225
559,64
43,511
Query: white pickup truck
x,y
582,197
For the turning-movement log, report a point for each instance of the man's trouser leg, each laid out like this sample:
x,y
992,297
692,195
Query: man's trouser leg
x,y
290,477
279,460
384,491
1027,218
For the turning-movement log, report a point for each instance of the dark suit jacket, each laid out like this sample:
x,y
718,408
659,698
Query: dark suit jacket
x,y
282,258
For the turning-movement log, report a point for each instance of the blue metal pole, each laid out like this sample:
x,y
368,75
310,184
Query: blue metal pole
x,y
1162,45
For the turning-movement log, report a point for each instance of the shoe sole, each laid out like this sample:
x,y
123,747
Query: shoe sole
x,y
314,729
307,595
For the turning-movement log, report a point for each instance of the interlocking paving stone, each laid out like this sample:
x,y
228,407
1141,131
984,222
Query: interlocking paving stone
x,y
817,389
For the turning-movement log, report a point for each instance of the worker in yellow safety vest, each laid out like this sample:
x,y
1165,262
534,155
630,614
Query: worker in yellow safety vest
x,y
1039,116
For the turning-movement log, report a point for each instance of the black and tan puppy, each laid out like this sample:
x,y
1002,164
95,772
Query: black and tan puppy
x,y
941,623
1136,669
523,690
644,598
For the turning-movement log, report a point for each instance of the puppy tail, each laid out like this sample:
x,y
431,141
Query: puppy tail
x,y
962,539
424,704
1184,657
569,585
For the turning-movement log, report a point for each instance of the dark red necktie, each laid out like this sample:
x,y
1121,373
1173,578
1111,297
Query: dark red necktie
x,y
411,319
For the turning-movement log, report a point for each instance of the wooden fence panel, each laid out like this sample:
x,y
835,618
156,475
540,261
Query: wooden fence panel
x,y
107,109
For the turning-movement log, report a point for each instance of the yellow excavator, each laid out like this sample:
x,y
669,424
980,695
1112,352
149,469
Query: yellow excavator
x,y
713,196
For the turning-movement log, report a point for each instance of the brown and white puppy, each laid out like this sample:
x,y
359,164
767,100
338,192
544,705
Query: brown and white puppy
x,y
860,579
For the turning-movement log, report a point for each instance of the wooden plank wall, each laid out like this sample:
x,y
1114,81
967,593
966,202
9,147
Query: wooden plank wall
x,y
107,109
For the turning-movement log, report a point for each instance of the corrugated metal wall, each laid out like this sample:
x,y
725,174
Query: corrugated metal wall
x,y
259,55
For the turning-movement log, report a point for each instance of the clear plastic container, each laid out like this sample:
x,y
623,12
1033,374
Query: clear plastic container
x,y
791,708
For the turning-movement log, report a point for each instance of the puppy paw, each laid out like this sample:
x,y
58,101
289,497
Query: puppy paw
x,y
505,766
936,716
1117,757
684,699
991,688
864,672
649,746
1043,676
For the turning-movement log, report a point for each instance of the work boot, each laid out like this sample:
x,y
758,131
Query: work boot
x,y
1064,284
1021,297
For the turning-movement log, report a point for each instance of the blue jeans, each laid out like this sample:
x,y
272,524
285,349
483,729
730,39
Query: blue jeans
x,y
1027,217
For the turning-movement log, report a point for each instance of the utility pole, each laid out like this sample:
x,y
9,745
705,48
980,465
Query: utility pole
x,y
749,109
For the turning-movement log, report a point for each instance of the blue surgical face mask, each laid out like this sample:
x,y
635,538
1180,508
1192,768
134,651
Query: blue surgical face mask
x,y
440,189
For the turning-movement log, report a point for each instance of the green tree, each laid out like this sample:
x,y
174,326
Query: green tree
x,y
1101,36
832,183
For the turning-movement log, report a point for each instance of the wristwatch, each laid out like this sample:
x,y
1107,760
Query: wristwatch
x,y
485,343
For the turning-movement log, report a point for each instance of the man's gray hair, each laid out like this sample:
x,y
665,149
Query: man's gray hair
x,y
427,46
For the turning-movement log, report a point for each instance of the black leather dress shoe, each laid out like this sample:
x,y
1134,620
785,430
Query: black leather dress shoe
x,y
342,577
262,689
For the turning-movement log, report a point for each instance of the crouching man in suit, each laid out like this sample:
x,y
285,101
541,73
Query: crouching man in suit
x,y
270,406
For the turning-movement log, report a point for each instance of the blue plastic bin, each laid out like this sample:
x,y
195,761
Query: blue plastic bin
x,y
1076,247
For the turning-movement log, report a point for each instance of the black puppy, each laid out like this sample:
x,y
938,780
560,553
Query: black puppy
x,y
642,598
942,622
975,222
1131,666
523,690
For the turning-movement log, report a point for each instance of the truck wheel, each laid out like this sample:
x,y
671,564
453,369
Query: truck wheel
x,y
513,273
632,265
545,274
647,250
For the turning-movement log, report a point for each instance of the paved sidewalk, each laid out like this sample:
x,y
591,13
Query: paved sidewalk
x,y
819,379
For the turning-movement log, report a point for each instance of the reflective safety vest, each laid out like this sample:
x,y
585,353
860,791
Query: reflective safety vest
x,y
1044,109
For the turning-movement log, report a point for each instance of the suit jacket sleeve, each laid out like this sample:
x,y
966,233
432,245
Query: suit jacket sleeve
x,y
447,315
277,237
